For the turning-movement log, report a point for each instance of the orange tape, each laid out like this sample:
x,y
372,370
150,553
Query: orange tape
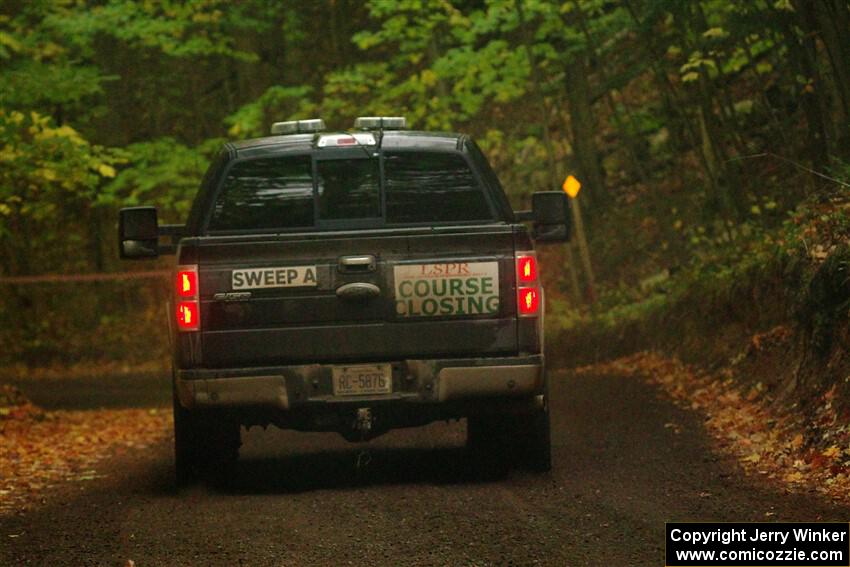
x,y
101,277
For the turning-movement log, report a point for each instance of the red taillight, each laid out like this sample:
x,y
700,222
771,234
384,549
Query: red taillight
x,y
526,267
528,301
188,315
188,295
528,288
187,283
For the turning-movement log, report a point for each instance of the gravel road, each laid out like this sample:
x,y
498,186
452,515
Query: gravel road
x,y
626,461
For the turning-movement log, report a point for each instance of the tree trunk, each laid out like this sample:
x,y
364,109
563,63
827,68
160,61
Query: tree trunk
x,y
803,54
682,130
547,140
631,144
584,128
833,21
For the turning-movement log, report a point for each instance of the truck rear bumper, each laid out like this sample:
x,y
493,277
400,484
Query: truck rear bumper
x,y
432,381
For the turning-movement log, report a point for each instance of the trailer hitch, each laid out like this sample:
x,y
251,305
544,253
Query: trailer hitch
x,y
363,422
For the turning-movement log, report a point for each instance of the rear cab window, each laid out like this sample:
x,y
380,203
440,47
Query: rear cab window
x,y
322,189
432,187
266,193
348,189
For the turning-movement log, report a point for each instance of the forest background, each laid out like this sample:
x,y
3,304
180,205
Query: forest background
x,y
712,138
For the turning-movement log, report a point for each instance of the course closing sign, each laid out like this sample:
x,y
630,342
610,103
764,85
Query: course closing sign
x,y
447,289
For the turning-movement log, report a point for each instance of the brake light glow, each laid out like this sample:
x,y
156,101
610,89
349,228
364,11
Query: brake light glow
x,y
188,316
187,283
188,298
355,139
529,301
528,286
526,269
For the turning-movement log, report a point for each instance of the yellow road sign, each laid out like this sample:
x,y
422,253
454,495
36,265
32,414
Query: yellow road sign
x,y
571,186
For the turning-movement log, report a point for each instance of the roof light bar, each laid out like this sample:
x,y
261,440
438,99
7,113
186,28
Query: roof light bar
x,y
380,123
298,127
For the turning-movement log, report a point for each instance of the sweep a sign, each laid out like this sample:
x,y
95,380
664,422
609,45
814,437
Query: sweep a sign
x,y
445,290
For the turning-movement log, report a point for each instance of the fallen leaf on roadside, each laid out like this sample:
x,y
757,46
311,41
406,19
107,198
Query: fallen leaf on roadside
x,y
832,452
40,449
804,455
795,476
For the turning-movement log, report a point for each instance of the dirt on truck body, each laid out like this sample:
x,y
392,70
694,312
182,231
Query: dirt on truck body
x,y
354,282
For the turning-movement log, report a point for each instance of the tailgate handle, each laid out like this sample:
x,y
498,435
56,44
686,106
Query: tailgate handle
x,y
357,263
358,290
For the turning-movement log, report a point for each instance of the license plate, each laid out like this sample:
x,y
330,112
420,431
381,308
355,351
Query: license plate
x,y
362,380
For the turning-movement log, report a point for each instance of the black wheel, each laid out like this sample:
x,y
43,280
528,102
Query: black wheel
x,y
483,434
486,442
534,435
522,440
534,441
204,444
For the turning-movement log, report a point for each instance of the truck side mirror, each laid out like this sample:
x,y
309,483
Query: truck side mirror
x,y
138,233
551,216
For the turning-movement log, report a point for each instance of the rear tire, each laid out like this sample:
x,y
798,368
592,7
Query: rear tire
x,y
522,440
204,444
486,442
535,442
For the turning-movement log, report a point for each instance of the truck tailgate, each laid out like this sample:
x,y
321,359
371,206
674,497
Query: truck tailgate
x,y
365,295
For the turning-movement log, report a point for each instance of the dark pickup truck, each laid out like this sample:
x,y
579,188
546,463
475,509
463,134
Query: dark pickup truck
x,y
355,282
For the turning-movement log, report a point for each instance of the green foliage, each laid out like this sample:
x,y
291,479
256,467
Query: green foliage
x,y
826,300
797,271
33,83
277,103
46,169
447,67
194,28
164,172
40,71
